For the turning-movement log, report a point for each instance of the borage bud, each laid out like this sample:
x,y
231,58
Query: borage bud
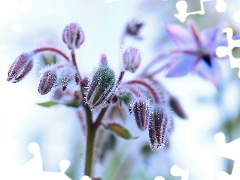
x,y
141,113
66,74
101,86
47,81
160,124
131,59
73,36
56,75
21,67
133,27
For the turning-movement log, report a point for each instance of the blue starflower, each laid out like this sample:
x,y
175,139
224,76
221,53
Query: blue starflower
x,y
197,51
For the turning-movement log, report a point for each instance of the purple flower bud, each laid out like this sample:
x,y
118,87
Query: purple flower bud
x,y
57,75
73,36
20,68
159,127
47,81
100,87
65,74
141,113
131,59
133,27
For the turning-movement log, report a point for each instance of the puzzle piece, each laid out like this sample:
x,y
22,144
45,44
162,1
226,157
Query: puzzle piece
x,y
32,169
85,178
236,16
182,9
230,151
222,51
177,171
159,178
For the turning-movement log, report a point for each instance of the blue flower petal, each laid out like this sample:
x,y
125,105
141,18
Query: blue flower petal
x,y
183,65
181,36
212,73
209,35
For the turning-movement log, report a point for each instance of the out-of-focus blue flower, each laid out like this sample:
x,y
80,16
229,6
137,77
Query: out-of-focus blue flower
x,y
197,51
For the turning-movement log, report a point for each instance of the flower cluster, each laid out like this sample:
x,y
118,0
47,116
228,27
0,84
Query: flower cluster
x,y
147,99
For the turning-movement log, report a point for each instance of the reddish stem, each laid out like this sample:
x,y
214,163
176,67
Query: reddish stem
x,y
78,76
165,55
149,87
51,49
134,90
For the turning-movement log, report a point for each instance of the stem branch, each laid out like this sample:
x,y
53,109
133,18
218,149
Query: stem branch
x,y
165,55
51,49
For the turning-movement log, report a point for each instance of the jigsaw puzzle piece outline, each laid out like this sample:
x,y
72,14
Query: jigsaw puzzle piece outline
x,y
230,151
222,51
182,6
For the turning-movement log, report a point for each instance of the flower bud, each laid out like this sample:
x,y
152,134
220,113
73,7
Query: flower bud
x,y
73,36
133,27
141,114
131,59
65,74
47,81
159,127
56,75
20,68
100,87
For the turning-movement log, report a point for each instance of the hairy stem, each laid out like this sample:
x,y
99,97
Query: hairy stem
x,y
149,87
75,64
89,143
42,49
91,133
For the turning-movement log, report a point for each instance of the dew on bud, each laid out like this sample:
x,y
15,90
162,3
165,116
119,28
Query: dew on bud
x,y
73,36
131,59
20,67
160,124
141,113
100,87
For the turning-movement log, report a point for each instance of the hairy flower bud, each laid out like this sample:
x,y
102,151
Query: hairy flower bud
x,y
141,113
131,59
56,75
160,124
66,74
101,85
47,81
20,68
73,36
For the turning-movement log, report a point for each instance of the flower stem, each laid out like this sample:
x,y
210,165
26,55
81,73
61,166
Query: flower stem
x,y
89,143
42,49
149,87
91,133
78,79
161,57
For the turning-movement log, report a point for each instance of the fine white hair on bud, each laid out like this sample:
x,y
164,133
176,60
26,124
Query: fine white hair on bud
x,y
140,111
56,75
131,59
20,67
160,124
73,36
47,81
101,86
